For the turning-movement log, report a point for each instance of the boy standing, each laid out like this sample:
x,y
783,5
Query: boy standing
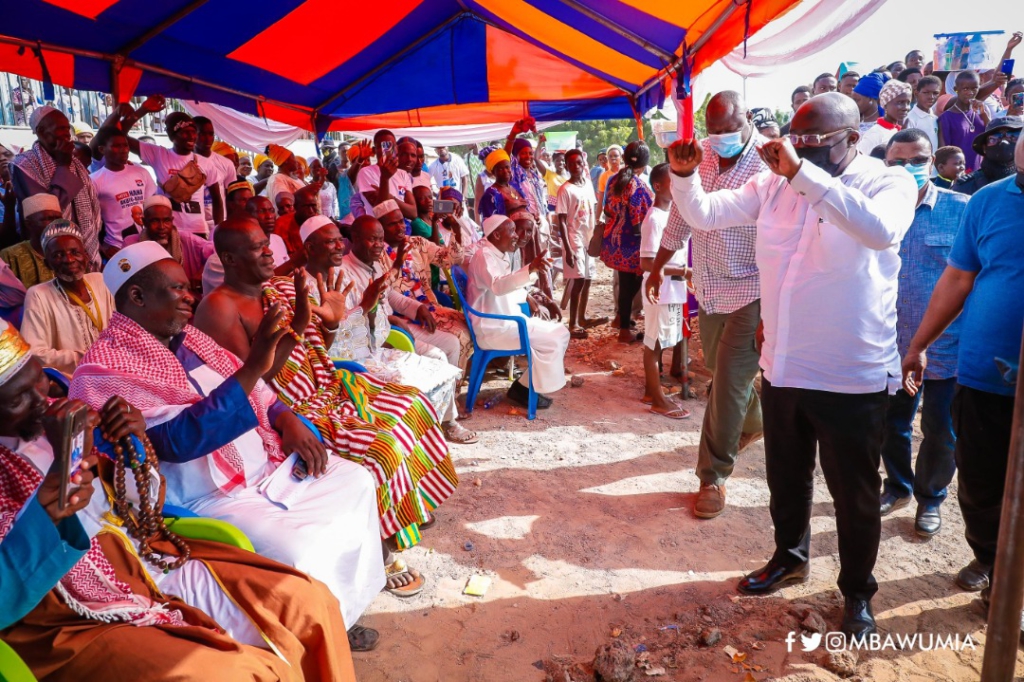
x,y
663,321
122,188
965,118
574,209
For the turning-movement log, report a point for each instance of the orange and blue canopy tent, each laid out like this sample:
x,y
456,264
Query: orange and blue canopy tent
x,y
358,65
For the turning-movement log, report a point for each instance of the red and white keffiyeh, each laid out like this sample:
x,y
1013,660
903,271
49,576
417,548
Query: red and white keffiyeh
x,y
91,588
128,361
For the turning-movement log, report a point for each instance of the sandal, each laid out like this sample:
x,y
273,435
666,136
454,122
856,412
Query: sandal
x,y
457,433
429,523
578,333
397,568
646,400
676,413
362,638
595,322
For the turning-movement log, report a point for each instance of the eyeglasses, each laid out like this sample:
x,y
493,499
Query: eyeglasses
x,y
916,161
815,140
996,138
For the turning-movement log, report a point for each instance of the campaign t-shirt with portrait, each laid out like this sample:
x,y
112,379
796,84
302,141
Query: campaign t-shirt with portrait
x,y
122,192
188,217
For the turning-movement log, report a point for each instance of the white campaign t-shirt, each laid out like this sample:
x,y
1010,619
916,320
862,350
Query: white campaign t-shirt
x,y
119,192
653,227
368,180
449,173
577,203
227,176
167,162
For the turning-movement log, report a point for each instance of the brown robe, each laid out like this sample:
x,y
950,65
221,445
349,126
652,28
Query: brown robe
x,y
296,613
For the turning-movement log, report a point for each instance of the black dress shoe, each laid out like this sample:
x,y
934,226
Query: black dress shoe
x,y
928,521
519,394
858,618
974,576
890,503
772,576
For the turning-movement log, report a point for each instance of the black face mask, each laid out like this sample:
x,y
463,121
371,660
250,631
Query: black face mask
x,y
820,157
1001,154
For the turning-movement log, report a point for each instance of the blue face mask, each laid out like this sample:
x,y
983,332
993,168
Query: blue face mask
x,y
727,145
920,173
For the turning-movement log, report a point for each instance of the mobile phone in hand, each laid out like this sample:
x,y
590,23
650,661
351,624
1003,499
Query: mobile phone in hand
x,y
72,449
444,206
300,471
1017,100
1007,67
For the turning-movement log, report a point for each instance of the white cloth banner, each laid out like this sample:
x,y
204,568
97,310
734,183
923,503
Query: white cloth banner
x,y
242,130
804,31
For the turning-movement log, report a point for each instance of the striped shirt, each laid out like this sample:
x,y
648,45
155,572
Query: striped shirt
x,y
724,271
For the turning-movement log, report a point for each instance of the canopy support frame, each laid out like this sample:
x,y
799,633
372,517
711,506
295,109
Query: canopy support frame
x,y
138,42
657,51
92,54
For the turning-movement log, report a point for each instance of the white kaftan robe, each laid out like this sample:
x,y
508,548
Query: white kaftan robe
x,y
495,288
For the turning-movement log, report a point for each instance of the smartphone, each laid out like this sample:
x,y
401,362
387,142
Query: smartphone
x,y
385,147
1007,67
444,206
72,449
1017,100
300,471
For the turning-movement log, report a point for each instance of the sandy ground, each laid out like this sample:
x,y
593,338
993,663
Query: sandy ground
x,y
582,521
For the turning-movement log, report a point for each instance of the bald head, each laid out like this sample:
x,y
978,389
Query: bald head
x,y
235,233
828,112
727,113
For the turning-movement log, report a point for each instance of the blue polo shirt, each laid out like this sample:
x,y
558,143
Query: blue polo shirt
x,y
991,243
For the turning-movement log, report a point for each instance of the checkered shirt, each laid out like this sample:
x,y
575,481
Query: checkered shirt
x,y
725,274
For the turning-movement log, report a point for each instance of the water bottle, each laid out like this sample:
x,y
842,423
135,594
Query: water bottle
x,y
494,400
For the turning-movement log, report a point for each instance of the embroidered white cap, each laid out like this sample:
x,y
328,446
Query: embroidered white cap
x,y
157,200
312,225
494,222
385,207
129,261
39,202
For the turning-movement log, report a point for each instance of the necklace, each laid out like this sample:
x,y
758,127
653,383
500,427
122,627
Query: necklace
x,y
145,524
970,123
95,317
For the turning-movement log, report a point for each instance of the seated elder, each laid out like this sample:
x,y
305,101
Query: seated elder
x,y
495,288
85,594
25,259
222,435
366,327
64,316
187,249
389,429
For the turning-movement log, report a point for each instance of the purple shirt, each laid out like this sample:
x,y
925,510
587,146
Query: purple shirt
x,y
959,129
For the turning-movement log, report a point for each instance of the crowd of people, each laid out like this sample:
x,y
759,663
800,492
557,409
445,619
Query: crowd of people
x,y
281,343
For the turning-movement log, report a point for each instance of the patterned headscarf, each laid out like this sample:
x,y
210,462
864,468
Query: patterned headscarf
x,y
893,89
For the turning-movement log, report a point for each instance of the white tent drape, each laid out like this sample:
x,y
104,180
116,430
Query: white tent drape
x,y
804,31
242,130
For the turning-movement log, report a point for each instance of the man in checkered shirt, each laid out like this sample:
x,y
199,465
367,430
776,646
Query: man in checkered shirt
x,y
725,280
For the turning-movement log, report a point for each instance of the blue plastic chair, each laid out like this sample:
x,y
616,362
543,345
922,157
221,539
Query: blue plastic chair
x,y
483,356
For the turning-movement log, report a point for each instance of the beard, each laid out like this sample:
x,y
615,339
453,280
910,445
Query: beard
x,y
70,278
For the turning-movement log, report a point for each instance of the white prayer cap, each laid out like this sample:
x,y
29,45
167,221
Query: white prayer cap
x,y
494,222
312,225
385,207
157,200
129,261
39,202
14,352
38,114
60,228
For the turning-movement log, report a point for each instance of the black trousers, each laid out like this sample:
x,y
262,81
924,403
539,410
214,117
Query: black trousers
x,y
982,422
629,285
846,430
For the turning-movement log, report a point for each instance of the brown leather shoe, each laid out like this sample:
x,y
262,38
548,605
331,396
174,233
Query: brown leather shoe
x,y
710,501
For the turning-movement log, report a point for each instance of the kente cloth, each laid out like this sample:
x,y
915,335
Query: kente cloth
x,y
299,632
84,208
127,360
399,441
